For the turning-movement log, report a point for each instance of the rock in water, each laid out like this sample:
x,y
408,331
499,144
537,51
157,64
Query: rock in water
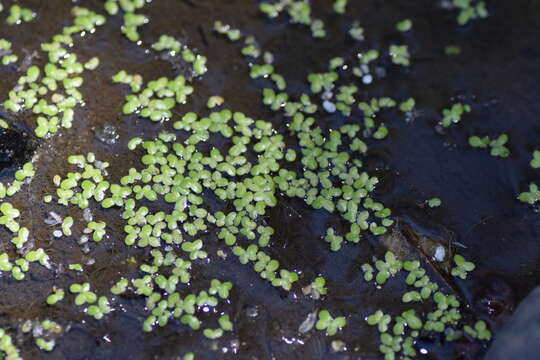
x,y
519,338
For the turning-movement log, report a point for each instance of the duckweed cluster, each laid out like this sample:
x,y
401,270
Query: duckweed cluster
x,y
479,331
300,12
316,288
532,196
535,162
356,31
6,54
44,344
171,48
78,188
462,267
19,14
51,92
397,340
9,218
7,349
324,168
224,29
469,10
177,173
132,21
330,324
324,85
45,333
400,54
157,99
497,146
55,297
454,114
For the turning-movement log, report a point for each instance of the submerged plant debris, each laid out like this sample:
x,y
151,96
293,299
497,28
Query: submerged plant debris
x,y
256,179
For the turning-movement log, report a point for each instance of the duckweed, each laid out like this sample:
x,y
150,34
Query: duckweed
x,y
75,267
92,64
318,287
333,239
530,197
189,356
232,34
213,333
330,324
387,268
61,76
356,32
469,10
404,25
452,50
225,323
462,267
454,114
340,6
317,28
434,202
97,229
399,338
261,71
498,145
55,297
37,255
380,319
101,309
250,176
9,59
156,101
131,20
400,54
120,287
535,162
134,81
299,13
18,14
44,344
480,331
7,348
67,223
83,293
174,48
215,101
222,289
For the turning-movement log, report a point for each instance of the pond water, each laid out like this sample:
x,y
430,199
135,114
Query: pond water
x,y
497,73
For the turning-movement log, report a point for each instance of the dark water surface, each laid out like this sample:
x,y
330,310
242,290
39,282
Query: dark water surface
x,y
498,73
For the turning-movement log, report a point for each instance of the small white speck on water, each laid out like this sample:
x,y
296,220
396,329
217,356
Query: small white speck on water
x,y
440,253
367,79
329,106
